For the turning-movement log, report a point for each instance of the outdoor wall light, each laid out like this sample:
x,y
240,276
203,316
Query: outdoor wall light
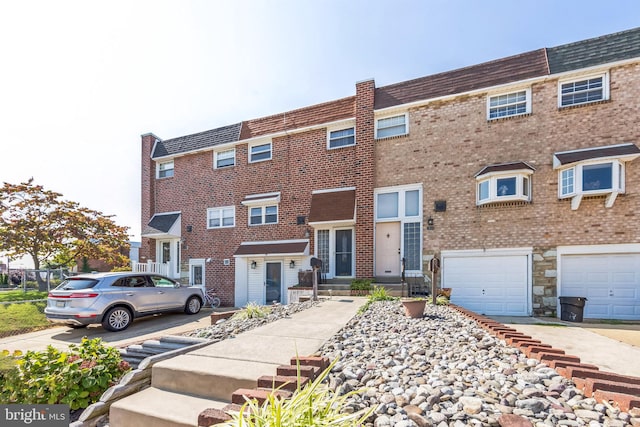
x,y
292,264
430,222
253,265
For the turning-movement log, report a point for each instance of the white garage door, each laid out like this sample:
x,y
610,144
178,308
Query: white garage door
x,y
489,285
610,282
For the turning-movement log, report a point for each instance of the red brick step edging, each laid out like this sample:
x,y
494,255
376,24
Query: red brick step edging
x,y
623,391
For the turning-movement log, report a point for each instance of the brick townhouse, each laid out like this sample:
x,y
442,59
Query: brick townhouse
x,y
519,175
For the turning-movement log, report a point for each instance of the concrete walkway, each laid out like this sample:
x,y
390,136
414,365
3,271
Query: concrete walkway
x,y
611,347
206,378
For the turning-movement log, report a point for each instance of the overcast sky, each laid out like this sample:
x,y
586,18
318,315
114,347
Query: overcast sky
x,y
80,81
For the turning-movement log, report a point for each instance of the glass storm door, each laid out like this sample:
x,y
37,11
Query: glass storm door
x,y
273,283
196,273
344,253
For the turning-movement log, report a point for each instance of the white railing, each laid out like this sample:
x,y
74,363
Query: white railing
x,y
150,267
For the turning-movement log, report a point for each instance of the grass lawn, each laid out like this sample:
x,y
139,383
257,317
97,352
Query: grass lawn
x,y
22,317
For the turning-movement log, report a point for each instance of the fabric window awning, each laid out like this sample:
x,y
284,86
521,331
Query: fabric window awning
x,y
300,247
333,206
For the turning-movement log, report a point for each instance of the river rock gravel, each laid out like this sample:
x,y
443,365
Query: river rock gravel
x,y
445,370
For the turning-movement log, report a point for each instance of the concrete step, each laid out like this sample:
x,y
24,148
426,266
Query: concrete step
x,y
160,408
208,377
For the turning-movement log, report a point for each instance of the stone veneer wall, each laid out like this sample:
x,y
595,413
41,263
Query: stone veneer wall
x,y
545,295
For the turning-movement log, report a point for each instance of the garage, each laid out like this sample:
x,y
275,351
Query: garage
x,y
609,281
489,282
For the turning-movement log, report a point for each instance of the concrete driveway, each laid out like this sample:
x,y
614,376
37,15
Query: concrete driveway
x,y
142,329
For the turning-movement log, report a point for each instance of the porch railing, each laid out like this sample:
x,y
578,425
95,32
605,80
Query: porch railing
x,y
150,267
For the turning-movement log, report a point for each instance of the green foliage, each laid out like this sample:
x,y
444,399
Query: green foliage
x,y
442,300
361,284
379,293
252,311
21,295
76,378
38,223
313,405
4,279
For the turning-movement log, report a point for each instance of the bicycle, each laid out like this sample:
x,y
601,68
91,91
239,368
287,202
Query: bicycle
x,y
210,299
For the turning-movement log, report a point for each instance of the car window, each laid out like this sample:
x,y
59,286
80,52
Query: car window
x,y
131,282
77,283
162,282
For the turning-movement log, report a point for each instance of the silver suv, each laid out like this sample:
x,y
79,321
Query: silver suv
x,y
115,299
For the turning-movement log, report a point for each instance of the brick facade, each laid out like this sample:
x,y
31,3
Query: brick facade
x,y
449,141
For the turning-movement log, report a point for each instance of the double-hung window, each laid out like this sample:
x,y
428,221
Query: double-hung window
x,y
593,172
165,169
224,158
509,104
503,183
263,208
259,153
263,215
223,217
583,90
342,138
391,126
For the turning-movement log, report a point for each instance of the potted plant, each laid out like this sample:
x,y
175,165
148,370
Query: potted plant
x,y
414,307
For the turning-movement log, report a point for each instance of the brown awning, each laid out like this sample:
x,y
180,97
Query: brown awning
x,y
331,206
284,248
505,167
623,150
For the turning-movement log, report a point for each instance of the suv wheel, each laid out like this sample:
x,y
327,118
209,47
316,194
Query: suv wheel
x,y
117,319
193,305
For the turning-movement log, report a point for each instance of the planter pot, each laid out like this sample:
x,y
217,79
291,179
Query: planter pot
x,y
414,308
445,292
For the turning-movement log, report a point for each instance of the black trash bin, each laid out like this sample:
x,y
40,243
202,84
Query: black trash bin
x,y
572,308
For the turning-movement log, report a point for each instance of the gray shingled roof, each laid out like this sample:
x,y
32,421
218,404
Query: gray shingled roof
x,y
566,157
197,141
163,222
599,50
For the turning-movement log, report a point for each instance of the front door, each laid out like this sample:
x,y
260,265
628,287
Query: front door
x,y
388,249
273,283
168,252
344,253
196,272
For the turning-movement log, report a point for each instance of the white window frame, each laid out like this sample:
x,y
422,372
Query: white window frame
x,y
508,103
162,169
216,158
219,213
406,125
522,190
577,192
263,214
605,88
331,139
252,146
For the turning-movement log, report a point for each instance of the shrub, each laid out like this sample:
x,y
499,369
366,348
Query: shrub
x,y
379,293
360,285
252,311
313,405
76,378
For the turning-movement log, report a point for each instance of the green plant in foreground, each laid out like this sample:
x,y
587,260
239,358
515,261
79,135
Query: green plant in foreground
x,y
442,300
252,311
76,378
313,405
379,293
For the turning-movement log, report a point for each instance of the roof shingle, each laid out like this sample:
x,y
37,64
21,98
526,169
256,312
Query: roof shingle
x,y
197,141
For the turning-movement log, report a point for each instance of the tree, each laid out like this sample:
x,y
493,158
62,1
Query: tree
x,y
39,223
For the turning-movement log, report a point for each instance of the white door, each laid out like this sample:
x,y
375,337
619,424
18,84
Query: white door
x,y
490,285
388,249
196,272
610,282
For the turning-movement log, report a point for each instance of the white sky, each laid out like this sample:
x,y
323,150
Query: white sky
x,y
80,81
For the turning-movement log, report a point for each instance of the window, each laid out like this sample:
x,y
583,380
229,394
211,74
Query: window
x,y
593,172
387,205
221,217
583,91
260,152
592,179
165,169
342,138
506,185
412,240
263,215
509,104
391,126
224,158
412,203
